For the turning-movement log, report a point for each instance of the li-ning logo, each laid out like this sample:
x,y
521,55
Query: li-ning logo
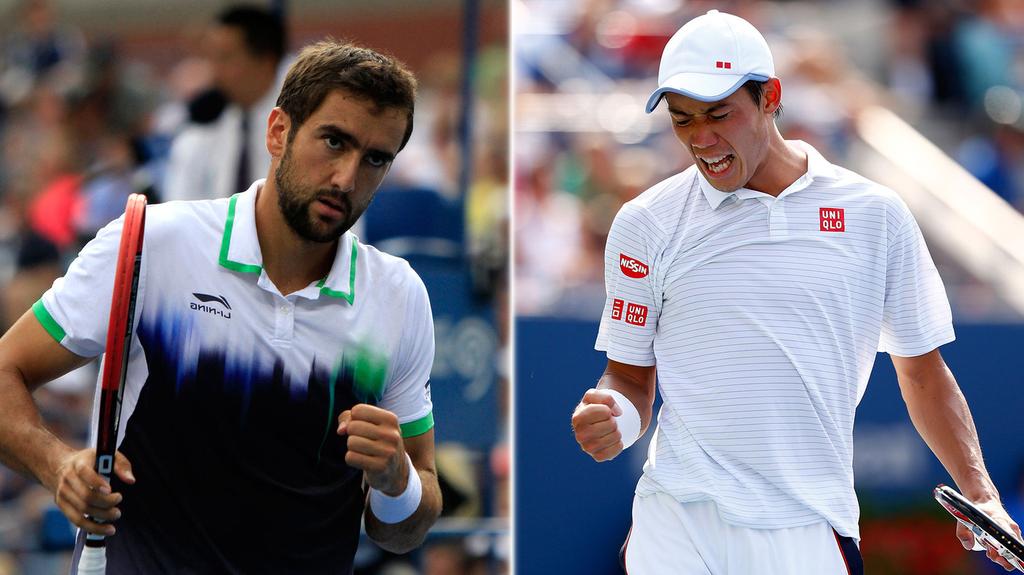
x,y
832,220
211,309
632,267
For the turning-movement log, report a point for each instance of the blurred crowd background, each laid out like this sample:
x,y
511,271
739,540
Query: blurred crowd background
x,y
950,70
954,69
102,98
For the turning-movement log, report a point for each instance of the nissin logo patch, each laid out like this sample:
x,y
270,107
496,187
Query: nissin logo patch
x,y
632,267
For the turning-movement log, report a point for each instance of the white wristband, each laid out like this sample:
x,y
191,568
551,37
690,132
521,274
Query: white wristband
x,y
629,422
93,561
397,509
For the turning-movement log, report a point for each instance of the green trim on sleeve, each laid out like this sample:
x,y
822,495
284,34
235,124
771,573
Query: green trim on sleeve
x,y
418,427
49,324
225,244
351,295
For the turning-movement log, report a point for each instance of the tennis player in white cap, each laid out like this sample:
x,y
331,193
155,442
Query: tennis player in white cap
x,y
755,288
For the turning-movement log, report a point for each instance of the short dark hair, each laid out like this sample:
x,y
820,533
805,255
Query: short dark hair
x,y
756,91
263,31
334,65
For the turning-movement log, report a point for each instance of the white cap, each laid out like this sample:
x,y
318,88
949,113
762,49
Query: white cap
x,y
710,57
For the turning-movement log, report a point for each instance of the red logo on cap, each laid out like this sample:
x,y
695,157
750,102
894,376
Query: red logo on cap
x,y
721,64
636,314
632,267
832,219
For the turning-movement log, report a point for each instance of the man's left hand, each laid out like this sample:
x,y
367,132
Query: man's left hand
x,y
375,445
998,514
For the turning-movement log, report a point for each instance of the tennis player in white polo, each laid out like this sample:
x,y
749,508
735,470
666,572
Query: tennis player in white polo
x,y
756,287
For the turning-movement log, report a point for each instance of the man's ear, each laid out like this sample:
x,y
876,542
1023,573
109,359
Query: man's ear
x,y
772,96
278,126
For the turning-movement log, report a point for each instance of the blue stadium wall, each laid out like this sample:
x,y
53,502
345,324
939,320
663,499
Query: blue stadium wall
x,y
572,514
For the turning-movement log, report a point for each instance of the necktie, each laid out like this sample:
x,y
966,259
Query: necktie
x,y
242,177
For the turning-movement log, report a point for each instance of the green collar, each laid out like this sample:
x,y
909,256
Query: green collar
x,y
240,249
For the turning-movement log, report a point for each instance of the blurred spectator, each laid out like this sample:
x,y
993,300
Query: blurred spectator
x,y
74,135
548,228
985,50
223,150
487,214
113,110
41,193
996,158
51,213
432,153
965,56
36,46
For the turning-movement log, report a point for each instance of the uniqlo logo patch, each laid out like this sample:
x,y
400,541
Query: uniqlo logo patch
x,y
636,314
832,219
617,309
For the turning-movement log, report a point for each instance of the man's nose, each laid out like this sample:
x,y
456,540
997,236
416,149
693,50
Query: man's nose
x,y
703,136
345,170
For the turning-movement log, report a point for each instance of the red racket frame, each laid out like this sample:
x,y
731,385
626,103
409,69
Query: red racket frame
x,y
119,338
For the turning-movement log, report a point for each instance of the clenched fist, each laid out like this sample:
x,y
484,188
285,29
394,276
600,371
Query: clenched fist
x,y
375,445
595,427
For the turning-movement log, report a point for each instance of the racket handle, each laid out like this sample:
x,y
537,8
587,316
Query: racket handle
x,y
93,561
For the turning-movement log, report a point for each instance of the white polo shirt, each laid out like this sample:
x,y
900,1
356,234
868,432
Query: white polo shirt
x,y
763,316
234,390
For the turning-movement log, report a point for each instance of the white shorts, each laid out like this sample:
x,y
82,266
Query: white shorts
x,y
672,538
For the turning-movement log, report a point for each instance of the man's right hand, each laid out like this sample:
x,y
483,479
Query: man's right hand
x,y
595,427
83,495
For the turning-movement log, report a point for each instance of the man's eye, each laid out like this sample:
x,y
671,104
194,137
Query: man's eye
x,y
682,123
332,142
376,160
722,117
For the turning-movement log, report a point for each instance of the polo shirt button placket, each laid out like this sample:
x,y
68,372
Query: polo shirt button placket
x,y
284,322
777,222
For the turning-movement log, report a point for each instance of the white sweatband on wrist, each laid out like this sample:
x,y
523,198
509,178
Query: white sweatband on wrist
x,y
629,422
399,508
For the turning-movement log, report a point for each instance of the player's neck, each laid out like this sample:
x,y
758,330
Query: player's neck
x,y
783,164
291,262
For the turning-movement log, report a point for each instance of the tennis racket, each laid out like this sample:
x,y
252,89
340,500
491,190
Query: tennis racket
x,y
115,363
985,530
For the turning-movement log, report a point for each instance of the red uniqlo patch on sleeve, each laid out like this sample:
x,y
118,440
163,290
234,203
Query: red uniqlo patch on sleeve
x,y
832,219
636,314
617,309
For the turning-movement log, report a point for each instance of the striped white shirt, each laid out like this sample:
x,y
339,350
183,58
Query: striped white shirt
x,y
763,316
